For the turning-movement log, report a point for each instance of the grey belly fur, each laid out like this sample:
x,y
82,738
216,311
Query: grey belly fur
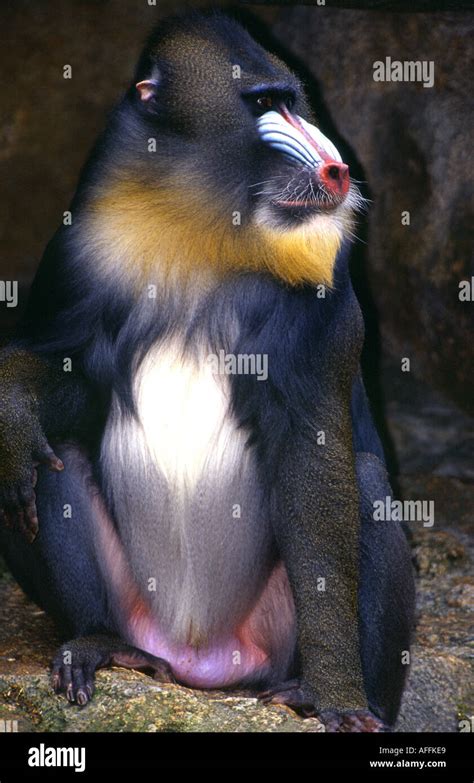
x,y
183,488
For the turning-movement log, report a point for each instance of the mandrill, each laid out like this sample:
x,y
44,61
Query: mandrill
x,y
214,528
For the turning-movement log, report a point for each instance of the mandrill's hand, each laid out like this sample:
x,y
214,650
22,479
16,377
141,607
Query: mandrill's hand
x,y
23,446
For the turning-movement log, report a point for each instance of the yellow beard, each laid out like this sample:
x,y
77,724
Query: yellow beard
x,y
140,232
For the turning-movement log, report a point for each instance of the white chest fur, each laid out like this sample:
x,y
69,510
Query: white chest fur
x,y
184,412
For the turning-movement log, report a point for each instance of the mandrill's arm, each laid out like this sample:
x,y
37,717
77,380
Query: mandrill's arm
x,y
39,403
317,528
317,525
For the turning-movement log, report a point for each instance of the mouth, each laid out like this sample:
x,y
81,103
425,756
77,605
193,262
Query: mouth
x,y
307,206
305,195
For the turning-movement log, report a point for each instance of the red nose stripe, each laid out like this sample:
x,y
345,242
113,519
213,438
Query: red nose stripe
x,y
292,120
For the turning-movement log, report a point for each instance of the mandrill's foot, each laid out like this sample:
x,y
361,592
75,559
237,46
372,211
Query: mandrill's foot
x,y
75,664
352,721
293,695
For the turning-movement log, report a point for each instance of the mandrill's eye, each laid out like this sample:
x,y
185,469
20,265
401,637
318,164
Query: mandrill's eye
x,y
261,102
264,102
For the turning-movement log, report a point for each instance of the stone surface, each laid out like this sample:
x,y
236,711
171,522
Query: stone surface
x,y
128,701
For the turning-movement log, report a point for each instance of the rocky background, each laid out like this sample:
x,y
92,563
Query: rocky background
x,y
410,146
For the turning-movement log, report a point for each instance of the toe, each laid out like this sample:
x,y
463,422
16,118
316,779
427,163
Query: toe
x,y
133,658
292,695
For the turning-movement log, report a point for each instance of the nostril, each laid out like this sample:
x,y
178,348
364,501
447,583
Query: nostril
x,y
334,172
335,176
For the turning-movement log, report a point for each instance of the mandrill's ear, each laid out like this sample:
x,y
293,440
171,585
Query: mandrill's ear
x,y
148,89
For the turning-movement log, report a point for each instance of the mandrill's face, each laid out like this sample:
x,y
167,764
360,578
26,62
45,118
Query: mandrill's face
x,y
312,177
239,177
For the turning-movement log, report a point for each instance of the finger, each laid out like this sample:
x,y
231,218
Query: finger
x,y
81,695
10,499
89,676
23,524
28,502
31,516
46,456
